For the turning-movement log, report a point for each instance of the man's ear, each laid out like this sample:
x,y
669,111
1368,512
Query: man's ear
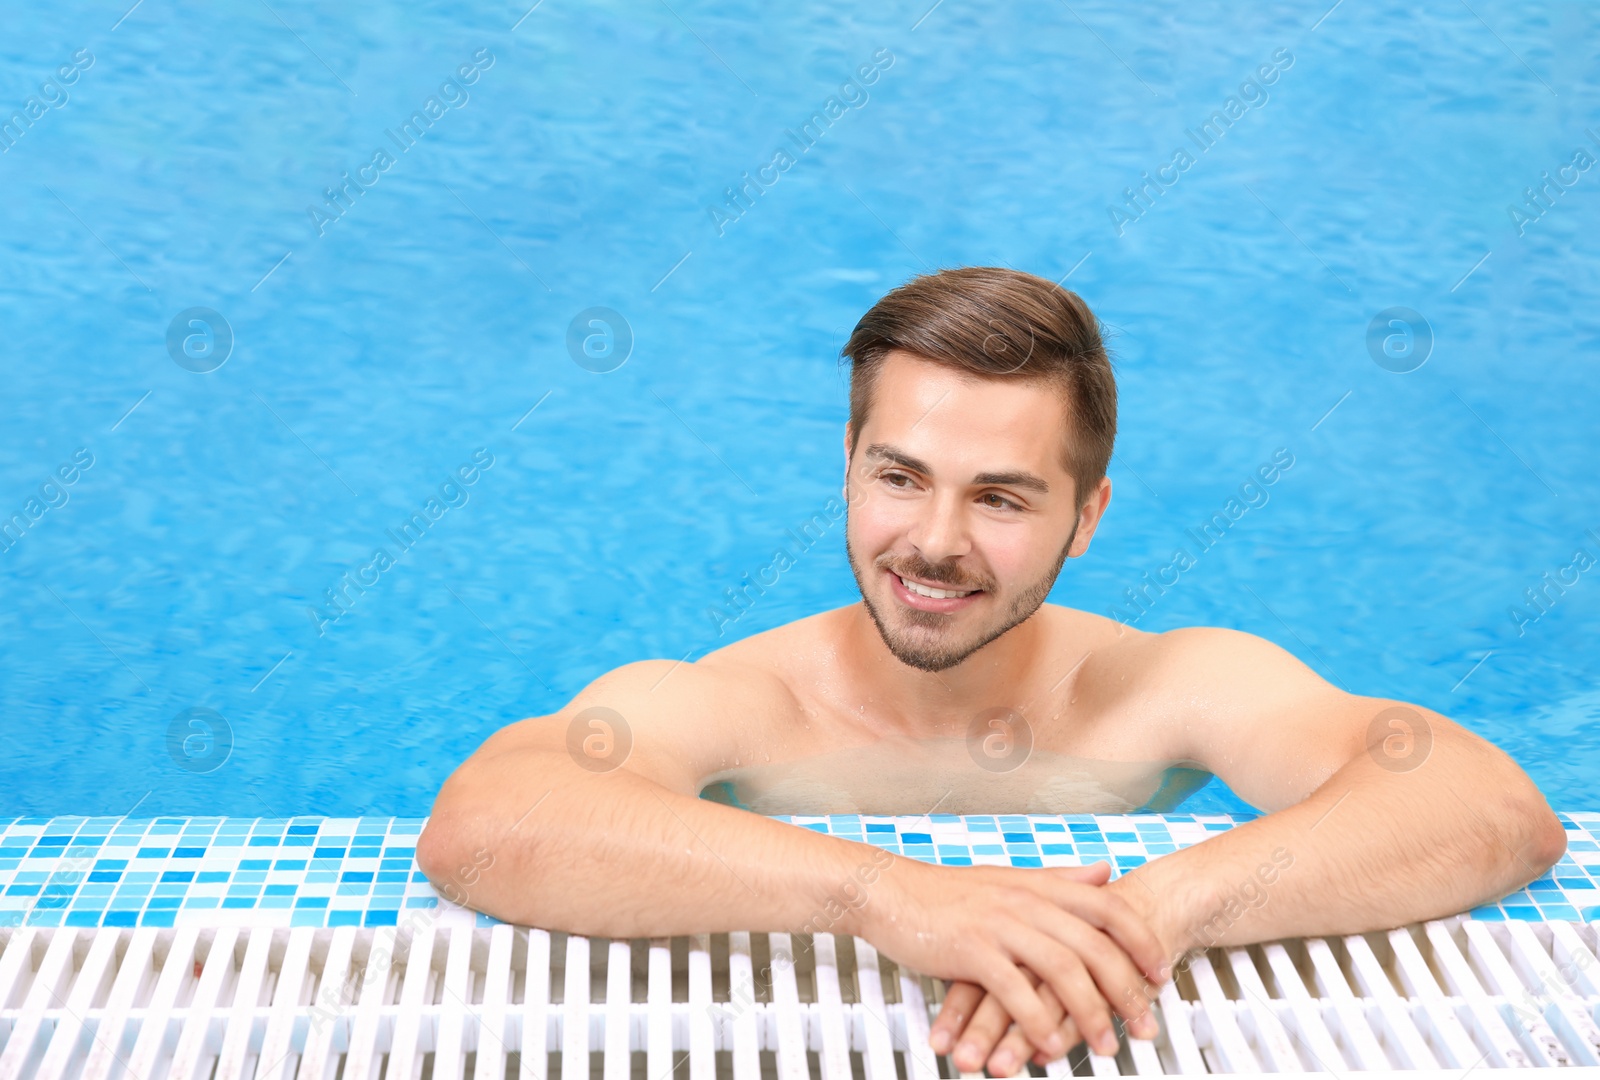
x,y
1090,515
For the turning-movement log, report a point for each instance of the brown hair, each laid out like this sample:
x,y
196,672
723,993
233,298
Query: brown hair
x,y
994,322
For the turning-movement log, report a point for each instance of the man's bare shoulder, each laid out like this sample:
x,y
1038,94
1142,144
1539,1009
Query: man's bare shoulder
x,y
793,654
1140,690
1164,663
1178,656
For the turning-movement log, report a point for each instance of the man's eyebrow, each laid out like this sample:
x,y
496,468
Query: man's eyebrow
x,y
1015,478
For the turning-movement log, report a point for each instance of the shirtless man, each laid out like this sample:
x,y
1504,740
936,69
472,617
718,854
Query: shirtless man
x,y
982,416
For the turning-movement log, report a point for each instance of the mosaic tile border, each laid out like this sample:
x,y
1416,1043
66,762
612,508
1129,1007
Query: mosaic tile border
x,y
326,872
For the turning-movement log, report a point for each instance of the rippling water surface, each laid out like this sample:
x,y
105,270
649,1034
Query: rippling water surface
x,y
496,178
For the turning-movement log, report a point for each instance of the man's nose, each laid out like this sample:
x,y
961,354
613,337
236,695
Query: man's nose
x,y
941,530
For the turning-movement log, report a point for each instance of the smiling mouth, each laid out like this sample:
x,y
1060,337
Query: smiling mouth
x,y
932,592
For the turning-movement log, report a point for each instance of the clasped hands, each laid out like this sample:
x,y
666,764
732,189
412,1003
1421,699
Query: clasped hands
x,y
1056,950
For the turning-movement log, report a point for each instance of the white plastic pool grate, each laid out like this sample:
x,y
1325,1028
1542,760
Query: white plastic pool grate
x,y
443,1001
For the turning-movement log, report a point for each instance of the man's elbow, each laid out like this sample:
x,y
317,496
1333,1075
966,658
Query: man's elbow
x,y
455,864
1547,836
438,848
1526,832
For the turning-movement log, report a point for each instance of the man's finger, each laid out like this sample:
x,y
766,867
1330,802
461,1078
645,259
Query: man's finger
x,y
1096,873
1114,973
1069,1035
1015,990
1064,971
1089,971
959,1002
986,1028
1106,911
1014,1049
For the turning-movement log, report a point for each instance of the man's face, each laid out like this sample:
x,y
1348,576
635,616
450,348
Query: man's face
x,y
957,483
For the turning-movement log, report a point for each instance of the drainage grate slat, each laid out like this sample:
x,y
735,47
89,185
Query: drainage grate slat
x,y
449,1044
1411,1049
1228,1041
1310,1028
1178,1031
922,1065
497,988
405,1048
1441,1026
1269,1031
241,1013
618,1036
702,1034
16,970
1564,1010
1503,1045
46,985
218,966
835,1051
132,976
575,1011
877,1031
1575,961
1486,954
742,1004
536,1014
1360,1040
330,989
158,1012
1146,1062
658,995
65,1045
377,983
792,1063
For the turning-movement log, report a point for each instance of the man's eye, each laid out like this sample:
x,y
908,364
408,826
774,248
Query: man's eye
x,y
1007,504
892,477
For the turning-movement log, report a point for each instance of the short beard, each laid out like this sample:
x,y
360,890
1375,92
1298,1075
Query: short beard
x,y
938,658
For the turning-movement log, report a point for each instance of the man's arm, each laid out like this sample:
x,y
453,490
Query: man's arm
x,y
1379,813
591,823
551,824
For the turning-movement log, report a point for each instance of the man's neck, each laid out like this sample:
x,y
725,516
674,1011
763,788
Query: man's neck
x,y
943,704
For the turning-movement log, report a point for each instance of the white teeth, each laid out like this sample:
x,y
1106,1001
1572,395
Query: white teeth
x,y
934,594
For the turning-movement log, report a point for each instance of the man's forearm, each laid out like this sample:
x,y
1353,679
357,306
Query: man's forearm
x,y
1371,849
617,855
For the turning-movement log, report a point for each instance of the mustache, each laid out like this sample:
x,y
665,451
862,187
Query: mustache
x,y
927,572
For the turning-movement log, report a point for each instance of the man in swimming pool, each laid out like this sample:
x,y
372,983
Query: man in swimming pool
x,y
982,416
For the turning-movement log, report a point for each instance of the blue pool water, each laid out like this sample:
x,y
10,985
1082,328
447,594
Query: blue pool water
x,y
382,341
